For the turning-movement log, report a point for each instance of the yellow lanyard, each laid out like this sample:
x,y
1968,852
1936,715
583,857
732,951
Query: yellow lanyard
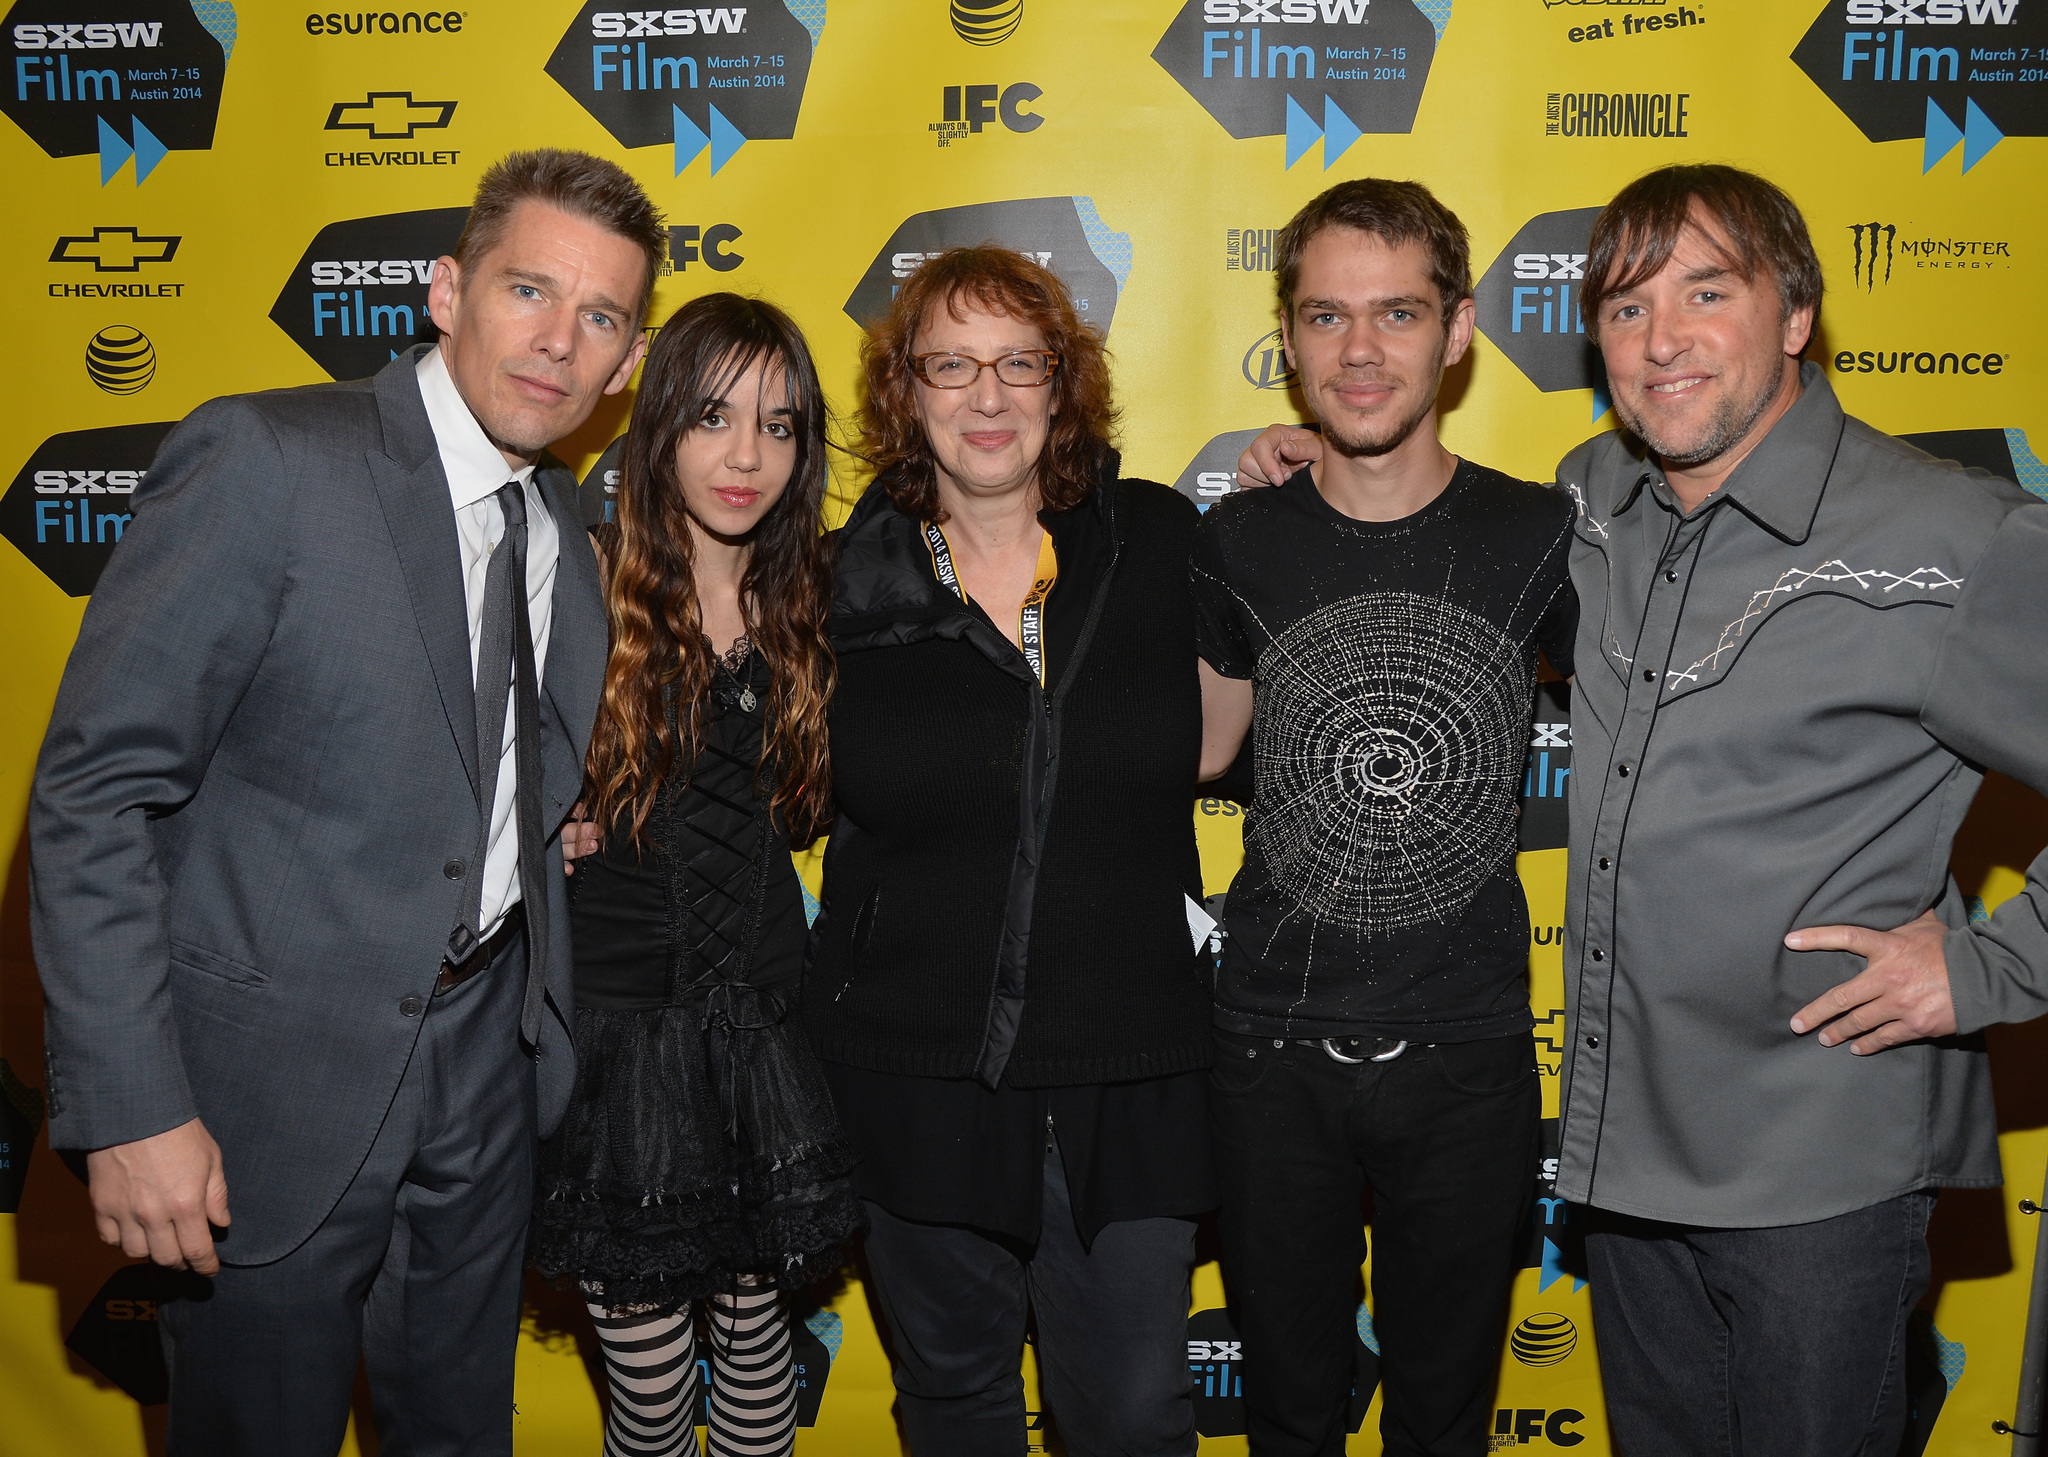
x,y
1030,616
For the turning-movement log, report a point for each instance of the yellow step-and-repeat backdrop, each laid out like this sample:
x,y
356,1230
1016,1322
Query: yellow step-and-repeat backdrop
x,y
209,197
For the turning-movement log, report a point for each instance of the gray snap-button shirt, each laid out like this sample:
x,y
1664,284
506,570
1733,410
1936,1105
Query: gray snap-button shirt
x,y
1784,704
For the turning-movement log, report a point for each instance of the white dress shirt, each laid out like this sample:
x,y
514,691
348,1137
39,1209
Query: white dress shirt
x,y
475,473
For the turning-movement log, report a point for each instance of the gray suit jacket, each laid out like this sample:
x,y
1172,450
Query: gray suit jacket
x,y
263,754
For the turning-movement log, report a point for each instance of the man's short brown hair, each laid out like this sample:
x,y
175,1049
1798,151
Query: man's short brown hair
x,y
1005,282
580,185
1394,212
1636,234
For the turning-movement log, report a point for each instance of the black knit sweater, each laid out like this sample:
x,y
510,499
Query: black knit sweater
x,y
1004,885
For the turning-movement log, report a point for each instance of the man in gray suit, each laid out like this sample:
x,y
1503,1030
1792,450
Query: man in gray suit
x,y
295,871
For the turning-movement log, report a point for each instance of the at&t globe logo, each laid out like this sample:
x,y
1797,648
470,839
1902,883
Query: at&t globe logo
x,y
1544,1339
986,22
120,359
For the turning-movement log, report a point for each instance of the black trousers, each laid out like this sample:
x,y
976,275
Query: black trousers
x,y
1112,1331
417,1269
1780,1342
1448,1138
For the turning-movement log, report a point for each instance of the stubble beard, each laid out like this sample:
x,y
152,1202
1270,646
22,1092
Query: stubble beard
x,y
1391,438
1726,428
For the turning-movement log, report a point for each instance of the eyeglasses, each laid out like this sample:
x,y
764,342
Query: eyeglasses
x,y
1025,368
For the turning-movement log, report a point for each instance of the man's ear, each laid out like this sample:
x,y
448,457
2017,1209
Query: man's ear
x,y
1460,331
1287,341
1799,331
444,294
627,365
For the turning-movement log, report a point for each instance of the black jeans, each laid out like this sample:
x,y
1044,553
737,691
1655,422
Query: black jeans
x,y
1112,1331
417,1268
1448,1138
1780,1342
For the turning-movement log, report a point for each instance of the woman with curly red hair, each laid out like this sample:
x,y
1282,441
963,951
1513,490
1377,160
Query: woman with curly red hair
x,y
1004,985
700,1156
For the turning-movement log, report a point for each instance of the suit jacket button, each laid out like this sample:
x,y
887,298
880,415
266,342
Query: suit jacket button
x,y
411,1007
454,870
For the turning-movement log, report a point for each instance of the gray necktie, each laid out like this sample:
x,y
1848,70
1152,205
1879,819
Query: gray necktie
x,y
505,656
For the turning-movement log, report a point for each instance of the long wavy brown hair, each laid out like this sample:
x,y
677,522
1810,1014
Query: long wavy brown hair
x,y
650,719
1005,282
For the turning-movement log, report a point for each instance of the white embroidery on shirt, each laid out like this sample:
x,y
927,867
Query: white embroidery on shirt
x,y
1926,579
1584,515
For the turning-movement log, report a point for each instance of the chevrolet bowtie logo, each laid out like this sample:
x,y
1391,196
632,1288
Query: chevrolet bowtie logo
x,y
389,115
115,250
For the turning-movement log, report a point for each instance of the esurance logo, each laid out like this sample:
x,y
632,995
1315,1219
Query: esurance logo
x,y
1303,69
1953,73
1065,234
124,80
698,80
1529,304
357,297
68,505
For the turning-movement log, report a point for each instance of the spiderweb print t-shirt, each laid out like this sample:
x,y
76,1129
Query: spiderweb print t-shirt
x,y
1393,668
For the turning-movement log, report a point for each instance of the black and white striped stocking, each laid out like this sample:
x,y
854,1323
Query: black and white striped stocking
x,y
753,1386
651,1361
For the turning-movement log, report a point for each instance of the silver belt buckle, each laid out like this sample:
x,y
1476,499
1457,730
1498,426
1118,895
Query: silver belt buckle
x,y
1330,1047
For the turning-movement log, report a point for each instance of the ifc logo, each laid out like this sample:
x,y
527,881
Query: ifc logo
x,y
120,359
1544,1339
986,22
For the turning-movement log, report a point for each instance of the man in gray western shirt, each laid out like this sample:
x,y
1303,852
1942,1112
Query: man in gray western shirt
x,y
1802,643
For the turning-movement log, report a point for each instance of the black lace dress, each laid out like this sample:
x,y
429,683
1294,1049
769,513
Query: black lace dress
x,y
700,1142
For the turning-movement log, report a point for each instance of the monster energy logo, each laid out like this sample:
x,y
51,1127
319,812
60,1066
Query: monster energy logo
x,y
1866,272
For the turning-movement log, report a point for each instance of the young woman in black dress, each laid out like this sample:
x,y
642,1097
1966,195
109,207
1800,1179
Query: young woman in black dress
x,y
700,1156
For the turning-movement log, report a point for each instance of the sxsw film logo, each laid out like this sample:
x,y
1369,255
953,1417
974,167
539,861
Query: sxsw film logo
x,y
1305,69
120,78
1212,474
985,22
358,295
702,79
1066,234
966,110
1216,1372
1949,72
1876,249
68,505
1546,774
1529,304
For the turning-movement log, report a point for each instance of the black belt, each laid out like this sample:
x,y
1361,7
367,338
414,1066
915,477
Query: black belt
x,y
1357,1049
454,974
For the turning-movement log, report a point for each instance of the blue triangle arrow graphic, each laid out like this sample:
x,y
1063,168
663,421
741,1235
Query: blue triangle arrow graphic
x,y
114,150
1942,136
690,140
1980,134
1338,132
1602,401
1554,1271
1302,131
725,140
148,150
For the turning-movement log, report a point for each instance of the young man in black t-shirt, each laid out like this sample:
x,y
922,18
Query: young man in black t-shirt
x,y
1378,615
